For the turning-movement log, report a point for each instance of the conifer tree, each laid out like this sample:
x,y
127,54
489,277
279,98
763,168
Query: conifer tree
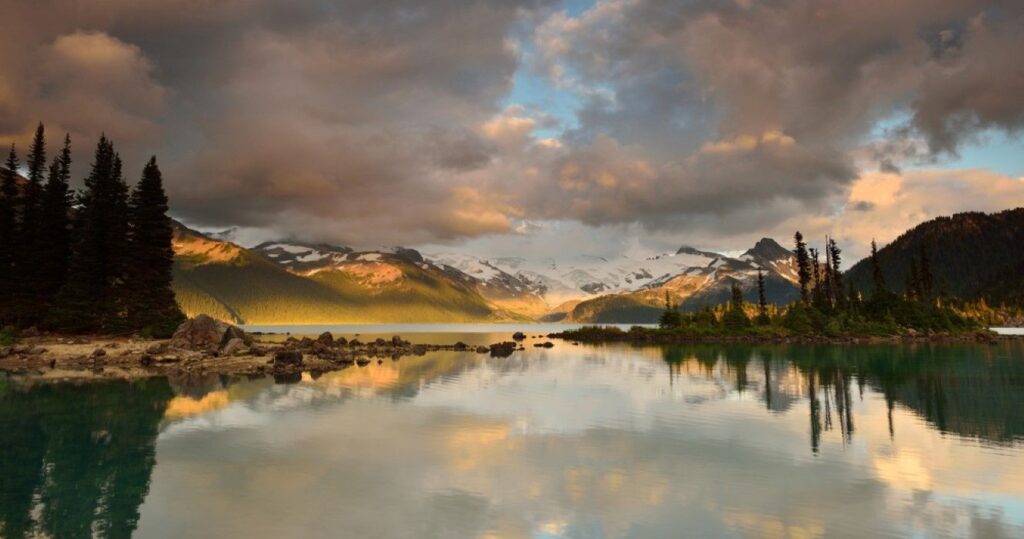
x,y
913,286
818,292
828,290
54,227
89,301
735,317
803,266
28,251
876,272
925,278
835,254
151,304
8,232
762,300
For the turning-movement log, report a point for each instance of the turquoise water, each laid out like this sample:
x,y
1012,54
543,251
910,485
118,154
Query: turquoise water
x,y
574,441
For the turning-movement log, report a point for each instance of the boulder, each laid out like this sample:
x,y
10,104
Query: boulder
x,y
200,333
519,336
99,352
288,357
232,346
156,348
234,332
340,341
326,339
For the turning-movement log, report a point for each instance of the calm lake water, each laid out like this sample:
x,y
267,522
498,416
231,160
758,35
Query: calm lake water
x,y
574,441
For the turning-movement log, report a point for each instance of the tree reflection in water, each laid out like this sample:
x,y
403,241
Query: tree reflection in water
x,y
970,391
77,459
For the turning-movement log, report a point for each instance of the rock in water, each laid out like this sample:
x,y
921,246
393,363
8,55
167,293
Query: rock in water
x,y
502,349
326,339
519,336
288,357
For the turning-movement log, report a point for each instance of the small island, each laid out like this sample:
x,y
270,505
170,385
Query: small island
x,y
826,312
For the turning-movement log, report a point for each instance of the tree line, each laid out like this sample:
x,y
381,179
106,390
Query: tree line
x,y
92,260
830,305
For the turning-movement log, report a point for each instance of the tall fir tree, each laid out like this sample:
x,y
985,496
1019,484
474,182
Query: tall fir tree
x,y
151,303
90,299
803,266
876,272
925,277
818,291
735,317
55,227
835,254
762,300
28,250
8,233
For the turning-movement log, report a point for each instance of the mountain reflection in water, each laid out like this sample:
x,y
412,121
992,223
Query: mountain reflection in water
x,y
601,441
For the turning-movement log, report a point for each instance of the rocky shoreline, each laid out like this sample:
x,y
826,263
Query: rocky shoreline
x,y
206,346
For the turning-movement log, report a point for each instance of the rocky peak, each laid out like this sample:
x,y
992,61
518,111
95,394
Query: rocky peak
x,y
769,250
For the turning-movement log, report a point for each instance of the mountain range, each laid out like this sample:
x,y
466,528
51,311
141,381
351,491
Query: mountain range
x,y
289,282
972,255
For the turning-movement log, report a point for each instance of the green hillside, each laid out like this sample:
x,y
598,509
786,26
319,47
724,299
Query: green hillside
x,y
972,256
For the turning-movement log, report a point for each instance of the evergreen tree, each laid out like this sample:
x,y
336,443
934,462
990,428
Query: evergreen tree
x,y
762,301
28,250
913,286
828,284
803,266
8,232
925,279
151,303
89,300
876,272
835,254
736,317
818,291
54,227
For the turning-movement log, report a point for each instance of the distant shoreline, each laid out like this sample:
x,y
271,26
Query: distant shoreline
x,y
597,334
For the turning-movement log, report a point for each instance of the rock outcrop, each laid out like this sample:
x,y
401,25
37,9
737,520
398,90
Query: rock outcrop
x,y
207,334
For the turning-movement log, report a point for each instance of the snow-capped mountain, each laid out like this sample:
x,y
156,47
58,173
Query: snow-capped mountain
x,y
577,277
576,287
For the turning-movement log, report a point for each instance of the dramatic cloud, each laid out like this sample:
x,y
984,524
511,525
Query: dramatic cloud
x,y
406,122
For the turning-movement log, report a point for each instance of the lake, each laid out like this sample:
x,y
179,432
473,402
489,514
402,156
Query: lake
x,y
573,441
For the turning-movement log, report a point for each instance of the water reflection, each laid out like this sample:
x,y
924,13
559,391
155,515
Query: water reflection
x,y
970,391
611,441
77,459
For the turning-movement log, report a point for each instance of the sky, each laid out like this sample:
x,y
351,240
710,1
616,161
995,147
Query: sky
x,y
536,127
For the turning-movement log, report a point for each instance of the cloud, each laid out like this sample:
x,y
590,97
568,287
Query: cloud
x,y
390,122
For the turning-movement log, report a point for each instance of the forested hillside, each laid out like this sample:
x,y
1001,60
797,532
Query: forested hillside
x,y
971,256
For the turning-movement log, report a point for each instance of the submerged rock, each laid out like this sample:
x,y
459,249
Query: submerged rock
x,y
288,357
